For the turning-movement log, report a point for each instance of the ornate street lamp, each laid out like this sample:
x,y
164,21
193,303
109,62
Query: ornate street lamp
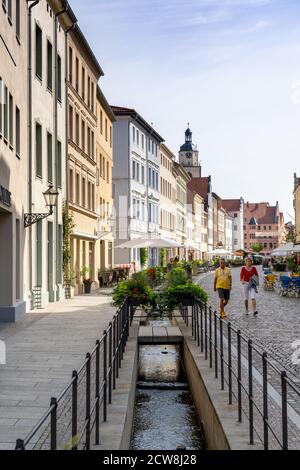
x,y
50,196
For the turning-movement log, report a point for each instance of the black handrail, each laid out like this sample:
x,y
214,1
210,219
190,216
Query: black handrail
x,y
242,373
102,364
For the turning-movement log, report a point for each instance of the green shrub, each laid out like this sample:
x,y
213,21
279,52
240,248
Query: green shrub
x,y
177,276
171,297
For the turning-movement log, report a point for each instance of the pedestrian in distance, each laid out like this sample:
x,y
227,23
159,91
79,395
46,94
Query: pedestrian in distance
x,y
250,281
223,284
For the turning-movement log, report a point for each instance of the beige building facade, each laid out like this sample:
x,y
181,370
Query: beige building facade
x,y
13,160
84,72
167,197
104,170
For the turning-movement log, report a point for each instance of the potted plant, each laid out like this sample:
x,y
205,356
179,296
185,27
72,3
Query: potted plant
x,y
185,294
136,290
86,282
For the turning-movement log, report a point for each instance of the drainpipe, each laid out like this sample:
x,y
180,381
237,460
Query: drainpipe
x,y
55,126
31,4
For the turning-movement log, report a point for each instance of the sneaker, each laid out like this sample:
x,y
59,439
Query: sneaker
x,y
246,312
223,315
255,313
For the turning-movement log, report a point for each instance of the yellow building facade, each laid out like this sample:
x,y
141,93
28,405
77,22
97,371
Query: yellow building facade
x,y
104,167
84,72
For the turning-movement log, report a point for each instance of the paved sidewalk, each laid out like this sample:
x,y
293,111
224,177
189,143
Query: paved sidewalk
x,y
276,326
42,350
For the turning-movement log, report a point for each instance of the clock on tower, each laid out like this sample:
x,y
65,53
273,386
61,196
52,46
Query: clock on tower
x,y
189,155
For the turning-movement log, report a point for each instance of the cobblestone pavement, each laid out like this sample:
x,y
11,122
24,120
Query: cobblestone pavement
x,y
276,326
42,350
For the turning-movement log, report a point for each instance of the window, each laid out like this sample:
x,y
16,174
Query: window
x,y
5,111
93,197
49,65
143,141
77,129
38,150
133,134
89,141
58,78
101,121
83,135
89,92
107,172
235,228
93,144
83,84
38,52
106,134
137,138
70,65
71,188
89,196
18,19
143,174
138,172
110,136
59,165
18,131
149,177
83,192
103,168
11,121
77,74
49,157
93,97
77,189
133,169
71,122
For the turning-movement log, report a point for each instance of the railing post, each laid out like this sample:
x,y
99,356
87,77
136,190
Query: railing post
x,y
114,352
193,322
105,376
74,409
201,326
265,401
216,344
97,394
222,354
239,379
53,424
205,330
284,411
120,357
20,445
250,391
197,325
110,363
229,365
88,403
210,339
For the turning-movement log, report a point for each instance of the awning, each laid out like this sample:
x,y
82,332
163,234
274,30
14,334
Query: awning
x,y
149,243
284,250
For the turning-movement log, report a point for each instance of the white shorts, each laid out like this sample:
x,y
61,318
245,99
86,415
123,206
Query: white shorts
x,y
249,294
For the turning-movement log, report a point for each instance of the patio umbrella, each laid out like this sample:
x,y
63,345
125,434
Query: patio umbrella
x,y
149,243
283,250
219,252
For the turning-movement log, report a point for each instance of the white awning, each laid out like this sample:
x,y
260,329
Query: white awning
x,y
149,243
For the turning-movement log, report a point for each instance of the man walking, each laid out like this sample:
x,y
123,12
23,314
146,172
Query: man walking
x,y
223,283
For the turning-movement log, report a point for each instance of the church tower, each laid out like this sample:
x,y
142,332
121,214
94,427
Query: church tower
x,y
189,155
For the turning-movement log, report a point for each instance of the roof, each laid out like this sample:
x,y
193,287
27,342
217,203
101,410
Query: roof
x,y
167,151
188,147
231,205
180,169
262,212
200,185
130,112
84,43
103,101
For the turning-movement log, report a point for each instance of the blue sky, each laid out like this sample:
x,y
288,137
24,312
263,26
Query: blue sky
x,y
229,67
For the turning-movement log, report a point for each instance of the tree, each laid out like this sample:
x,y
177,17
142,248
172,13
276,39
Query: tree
x,y
257,247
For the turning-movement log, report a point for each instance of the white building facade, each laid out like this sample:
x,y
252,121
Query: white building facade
x,y
235,209
136,183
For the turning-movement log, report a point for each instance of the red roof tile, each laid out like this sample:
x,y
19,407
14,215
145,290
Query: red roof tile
x,y
199,185
262,212
231,205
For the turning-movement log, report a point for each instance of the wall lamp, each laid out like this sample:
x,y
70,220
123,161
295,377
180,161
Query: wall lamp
x,y
50,196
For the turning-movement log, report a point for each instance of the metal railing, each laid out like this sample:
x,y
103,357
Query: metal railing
x,y
73,420
264,394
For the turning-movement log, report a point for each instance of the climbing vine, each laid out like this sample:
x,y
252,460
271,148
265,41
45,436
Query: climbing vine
x,y
68,226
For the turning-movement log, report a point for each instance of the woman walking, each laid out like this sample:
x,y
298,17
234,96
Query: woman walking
x,y
250,280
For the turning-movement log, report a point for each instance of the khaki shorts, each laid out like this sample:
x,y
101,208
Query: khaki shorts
x,y
249,294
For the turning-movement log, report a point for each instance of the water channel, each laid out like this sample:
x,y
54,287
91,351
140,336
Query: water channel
x,y
165,417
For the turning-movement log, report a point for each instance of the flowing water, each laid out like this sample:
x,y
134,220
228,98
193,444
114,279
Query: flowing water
x,y
165,416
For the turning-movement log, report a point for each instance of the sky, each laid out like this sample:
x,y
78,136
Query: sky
x,y
231,68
